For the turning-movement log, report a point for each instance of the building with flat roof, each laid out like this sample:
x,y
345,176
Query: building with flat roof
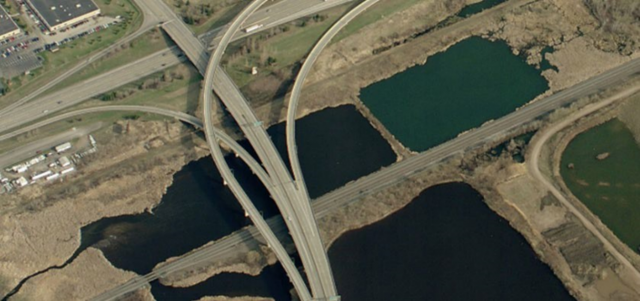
x,y
58,14
8,27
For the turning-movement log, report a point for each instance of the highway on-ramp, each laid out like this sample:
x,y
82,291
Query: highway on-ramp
x,y
196,51
296,91
294,205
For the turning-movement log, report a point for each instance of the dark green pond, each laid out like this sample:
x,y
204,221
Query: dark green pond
x,y
446,245
609,187
472,82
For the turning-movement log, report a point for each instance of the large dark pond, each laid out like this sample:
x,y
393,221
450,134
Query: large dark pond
x,y
336,146
445,245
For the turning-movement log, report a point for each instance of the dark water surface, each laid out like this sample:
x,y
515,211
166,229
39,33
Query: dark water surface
x,y
472,82
478,7
272,282
445,245
336,146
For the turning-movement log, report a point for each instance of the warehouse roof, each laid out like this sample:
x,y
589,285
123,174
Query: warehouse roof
x,y
55,12
7,24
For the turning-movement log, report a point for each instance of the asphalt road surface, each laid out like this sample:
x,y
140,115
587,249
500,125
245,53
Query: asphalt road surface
x,y
257,219
294,205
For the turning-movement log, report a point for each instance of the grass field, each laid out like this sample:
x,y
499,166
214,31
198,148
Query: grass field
x,y
178,94
629,115
142,46
71,53
209,14
285,48
278,55
373,14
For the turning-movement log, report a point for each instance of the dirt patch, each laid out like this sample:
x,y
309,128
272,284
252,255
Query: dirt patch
x,y
629,115
245,260
91,272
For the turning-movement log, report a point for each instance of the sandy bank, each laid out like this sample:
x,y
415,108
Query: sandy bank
x,y
40,225
91,272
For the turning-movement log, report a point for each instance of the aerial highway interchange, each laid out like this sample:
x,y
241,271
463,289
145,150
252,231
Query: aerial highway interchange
x,y
298,213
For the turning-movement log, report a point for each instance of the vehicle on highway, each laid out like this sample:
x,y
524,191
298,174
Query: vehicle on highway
x,y
253,28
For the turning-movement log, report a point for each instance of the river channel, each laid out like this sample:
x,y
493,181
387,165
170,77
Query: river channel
x,y
445,245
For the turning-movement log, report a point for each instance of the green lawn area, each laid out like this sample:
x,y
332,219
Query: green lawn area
x,y
285,48
378,11
180,94
149,43
292,46
204,15
77,50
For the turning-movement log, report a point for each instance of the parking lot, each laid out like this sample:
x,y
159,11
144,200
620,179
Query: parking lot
x,y
87,27
17,56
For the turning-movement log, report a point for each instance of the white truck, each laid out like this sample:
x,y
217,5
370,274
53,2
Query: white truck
x,y
253,28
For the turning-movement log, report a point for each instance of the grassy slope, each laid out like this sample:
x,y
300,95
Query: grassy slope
x,y
142,46
292,46
629,115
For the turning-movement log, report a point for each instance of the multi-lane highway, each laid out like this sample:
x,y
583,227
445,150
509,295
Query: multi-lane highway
x,y
294,205
397,172
296,91
278,13
197,52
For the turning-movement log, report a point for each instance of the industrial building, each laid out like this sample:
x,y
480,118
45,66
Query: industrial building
x,y
8,27
63,147
59,14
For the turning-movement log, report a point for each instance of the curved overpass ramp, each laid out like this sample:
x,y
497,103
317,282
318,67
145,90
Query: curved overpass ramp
x,y
292,148
216,152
